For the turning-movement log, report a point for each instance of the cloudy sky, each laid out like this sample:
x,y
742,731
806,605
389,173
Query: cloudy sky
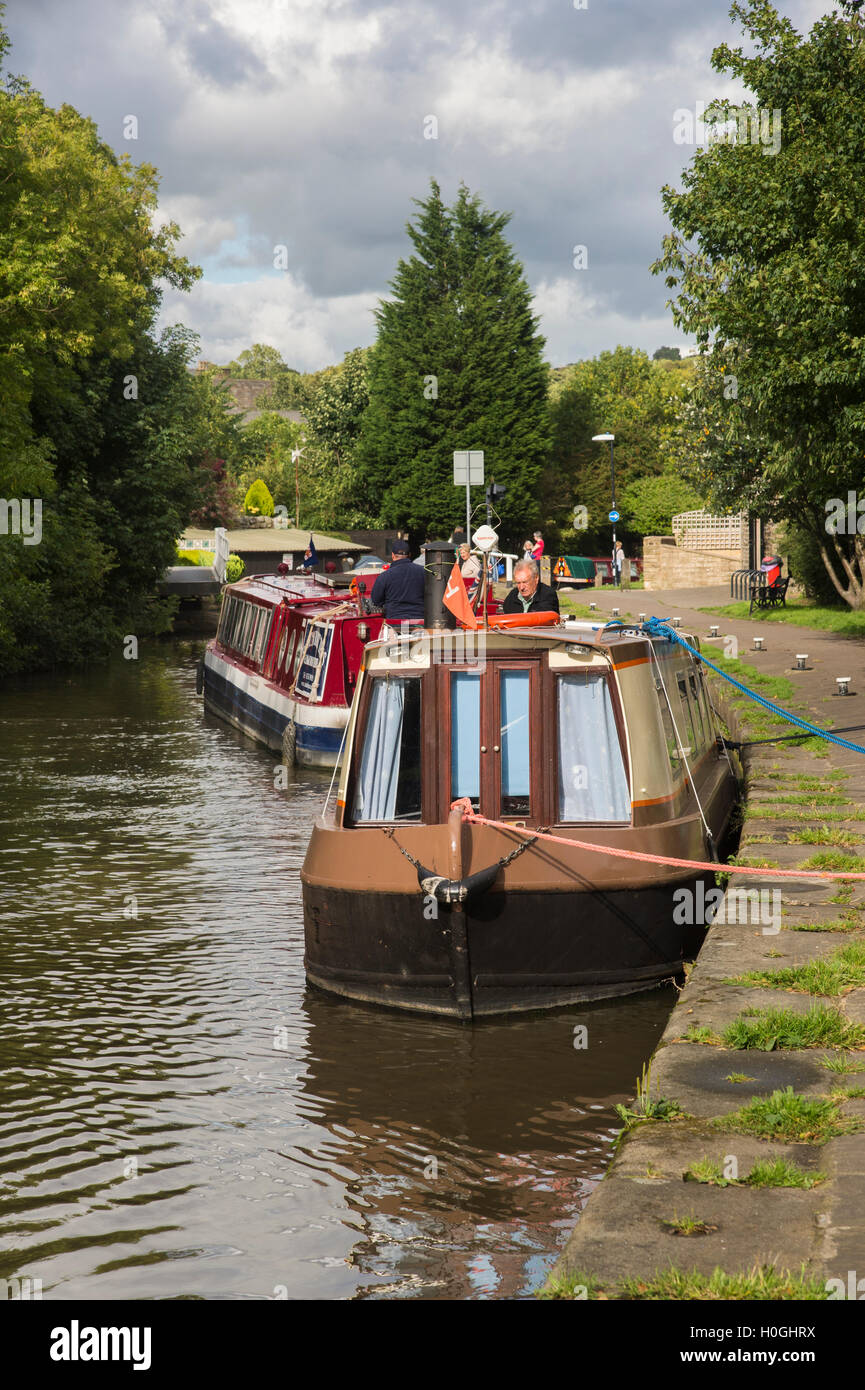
x,y
303,124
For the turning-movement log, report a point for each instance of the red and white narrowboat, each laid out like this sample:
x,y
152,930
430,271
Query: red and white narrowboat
x,y
284,663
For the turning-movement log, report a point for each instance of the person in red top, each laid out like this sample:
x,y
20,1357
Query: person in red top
x,y
538,547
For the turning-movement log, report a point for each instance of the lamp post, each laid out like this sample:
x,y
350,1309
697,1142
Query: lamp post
x,y
604,439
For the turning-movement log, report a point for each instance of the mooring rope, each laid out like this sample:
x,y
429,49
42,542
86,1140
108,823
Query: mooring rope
x,y
657,627
475,818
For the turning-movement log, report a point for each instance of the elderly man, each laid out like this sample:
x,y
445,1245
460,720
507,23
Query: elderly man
x,y
530,595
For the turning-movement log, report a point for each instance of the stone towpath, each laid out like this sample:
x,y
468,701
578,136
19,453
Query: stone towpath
x,y
800,803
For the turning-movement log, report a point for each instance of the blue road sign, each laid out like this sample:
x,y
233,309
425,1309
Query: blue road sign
x,y
614,516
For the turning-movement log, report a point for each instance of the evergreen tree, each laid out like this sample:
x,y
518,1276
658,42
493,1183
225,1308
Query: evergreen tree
x,y
457,365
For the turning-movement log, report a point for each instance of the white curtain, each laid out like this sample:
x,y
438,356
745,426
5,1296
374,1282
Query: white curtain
x,y
592,782
375,797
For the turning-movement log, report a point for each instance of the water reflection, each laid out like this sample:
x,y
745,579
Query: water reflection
x,y
180,1116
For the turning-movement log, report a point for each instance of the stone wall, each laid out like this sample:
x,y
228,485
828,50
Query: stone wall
x,y
665,566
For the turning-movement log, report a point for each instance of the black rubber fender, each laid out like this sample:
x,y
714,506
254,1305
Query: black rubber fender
x,y
448,890
199,676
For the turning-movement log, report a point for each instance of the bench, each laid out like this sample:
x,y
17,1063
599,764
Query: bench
x,y
765,595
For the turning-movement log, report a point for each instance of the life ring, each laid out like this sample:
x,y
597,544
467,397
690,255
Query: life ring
x,y
546,619
199,676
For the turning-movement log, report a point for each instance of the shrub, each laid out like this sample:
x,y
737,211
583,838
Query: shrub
x,y
258,501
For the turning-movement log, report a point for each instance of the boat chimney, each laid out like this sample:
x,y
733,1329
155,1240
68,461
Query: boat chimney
x,y
439,561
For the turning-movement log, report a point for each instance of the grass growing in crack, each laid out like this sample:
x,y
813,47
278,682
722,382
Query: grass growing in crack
x,y
644,1107
575,1285
779,1172
835,974
767,810
739,1076
823,835
803,799
688,1226
786,1116
835,924
699,1033
769,1029
783,1173
843,892
748,861
761,1283
709,1171
836,863
842,1065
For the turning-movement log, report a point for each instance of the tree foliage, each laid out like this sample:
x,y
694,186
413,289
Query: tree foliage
x,y
767,259
102,422
620,393
457,365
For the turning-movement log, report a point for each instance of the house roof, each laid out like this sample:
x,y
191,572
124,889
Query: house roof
x,y
252,540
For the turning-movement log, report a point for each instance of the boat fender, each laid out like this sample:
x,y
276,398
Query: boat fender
x,y
199,676
289,744
448,890
545,619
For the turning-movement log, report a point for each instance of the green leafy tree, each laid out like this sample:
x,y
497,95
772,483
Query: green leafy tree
x,y
651,503
767,259
620,393
259,362
666,354
100,423
265,452
457,365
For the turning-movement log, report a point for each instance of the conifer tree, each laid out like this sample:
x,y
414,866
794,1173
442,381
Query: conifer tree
x,y
457,365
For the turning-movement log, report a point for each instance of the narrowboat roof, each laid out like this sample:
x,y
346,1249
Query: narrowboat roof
x,y
574,632
273,588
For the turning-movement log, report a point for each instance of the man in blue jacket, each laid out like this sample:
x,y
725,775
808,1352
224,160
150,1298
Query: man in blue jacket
x,y
398,591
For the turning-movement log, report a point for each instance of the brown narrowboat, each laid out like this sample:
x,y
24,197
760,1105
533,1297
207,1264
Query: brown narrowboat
x,y
604,735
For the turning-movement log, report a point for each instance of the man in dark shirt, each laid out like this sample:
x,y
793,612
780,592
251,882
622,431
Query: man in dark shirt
x,y
530,595
398,591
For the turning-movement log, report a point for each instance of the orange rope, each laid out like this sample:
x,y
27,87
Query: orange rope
x,y
468,814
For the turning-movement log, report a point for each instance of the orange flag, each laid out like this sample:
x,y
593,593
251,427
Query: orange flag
x,y
457,600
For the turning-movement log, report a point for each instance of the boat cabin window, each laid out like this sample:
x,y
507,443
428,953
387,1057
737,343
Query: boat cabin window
x,y
514,693
699,718
592,781
466,735
685,719
388,778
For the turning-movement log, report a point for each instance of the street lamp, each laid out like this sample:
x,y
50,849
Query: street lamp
x,y
604,439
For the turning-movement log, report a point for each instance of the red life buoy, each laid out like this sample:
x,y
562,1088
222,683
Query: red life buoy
x,y
523,619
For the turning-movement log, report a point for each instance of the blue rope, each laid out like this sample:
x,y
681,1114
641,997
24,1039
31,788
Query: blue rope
x,y
657,627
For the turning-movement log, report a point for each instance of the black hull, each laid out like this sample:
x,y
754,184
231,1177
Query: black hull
x,y
507,953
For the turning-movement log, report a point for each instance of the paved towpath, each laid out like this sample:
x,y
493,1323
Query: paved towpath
x,y
800,803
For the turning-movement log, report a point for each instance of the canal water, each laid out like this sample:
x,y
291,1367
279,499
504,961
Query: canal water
x,y
181,1116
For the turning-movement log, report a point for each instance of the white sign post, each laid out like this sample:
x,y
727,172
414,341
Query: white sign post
x,y
468,471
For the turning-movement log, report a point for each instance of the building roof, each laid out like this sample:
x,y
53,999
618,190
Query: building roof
x,y
252,540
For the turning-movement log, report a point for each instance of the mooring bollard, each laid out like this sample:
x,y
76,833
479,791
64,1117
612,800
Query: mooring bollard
x,y
758,644
843,684
677,622
714,629
615,612
593,607
801,658
642,617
